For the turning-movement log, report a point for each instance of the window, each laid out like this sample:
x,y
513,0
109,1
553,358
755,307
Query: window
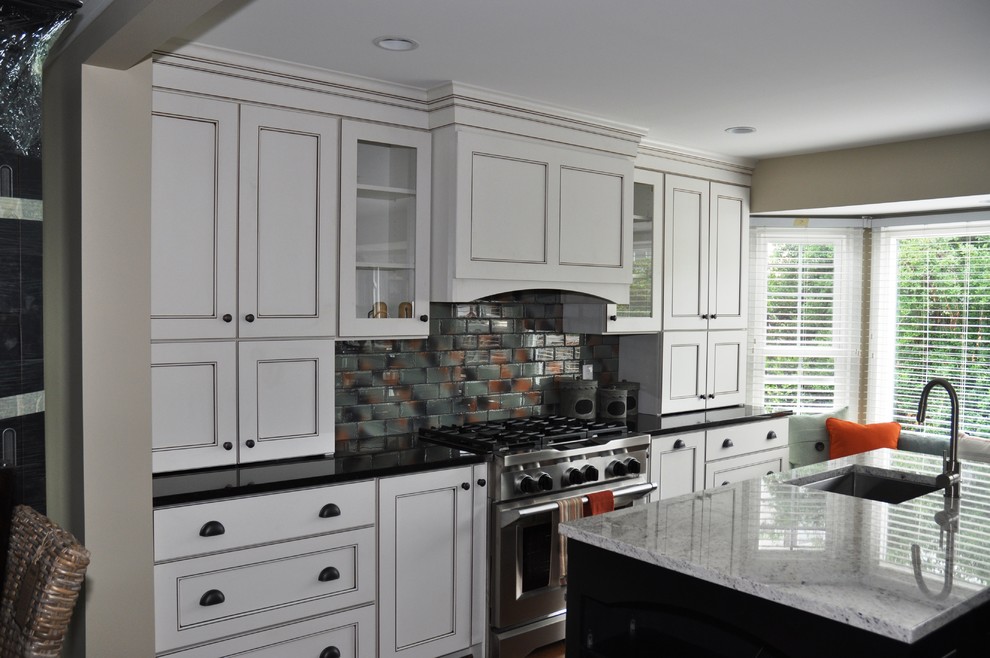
x,y
932,319
805,320
6,180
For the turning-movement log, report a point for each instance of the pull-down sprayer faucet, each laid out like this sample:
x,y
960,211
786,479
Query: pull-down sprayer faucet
x,y
950,477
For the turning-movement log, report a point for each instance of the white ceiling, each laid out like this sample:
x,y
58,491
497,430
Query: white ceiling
x,y
810,75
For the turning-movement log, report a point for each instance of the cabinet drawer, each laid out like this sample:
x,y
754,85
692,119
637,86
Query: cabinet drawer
x,y
734,440
211,597
745,467
229,524
351,632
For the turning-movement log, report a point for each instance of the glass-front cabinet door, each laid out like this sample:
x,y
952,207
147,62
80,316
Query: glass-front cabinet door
x,y
384,231
643,313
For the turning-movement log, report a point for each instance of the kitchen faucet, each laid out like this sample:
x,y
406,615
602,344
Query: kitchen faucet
x,y
950,477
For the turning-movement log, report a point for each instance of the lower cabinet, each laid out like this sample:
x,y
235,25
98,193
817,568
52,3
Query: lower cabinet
x,y
239,576
743,452
432,534
677,464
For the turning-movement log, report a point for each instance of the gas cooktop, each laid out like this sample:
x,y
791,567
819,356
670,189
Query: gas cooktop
x,y
524,434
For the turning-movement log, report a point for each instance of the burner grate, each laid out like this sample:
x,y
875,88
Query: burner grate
x,y
521,434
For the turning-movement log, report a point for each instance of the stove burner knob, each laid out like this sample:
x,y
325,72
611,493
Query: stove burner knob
x,y
618,469
573,476
528,485
590,473
633,466
545,481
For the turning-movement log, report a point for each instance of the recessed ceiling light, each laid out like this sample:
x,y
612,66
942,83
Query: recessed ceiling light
x,y
396,44
740,130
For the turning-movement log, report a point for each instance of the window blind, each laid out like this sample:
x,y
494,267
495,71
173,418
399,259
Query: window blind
x,y
805,318
931,311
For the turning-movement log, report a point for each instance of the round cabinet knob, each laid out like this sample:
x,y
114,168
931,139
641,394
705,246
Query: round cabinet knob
x,y
771,435
633,466
482,482
573,476
528,485
249,317
714,316
820,446
613,318
227,317
545,481
702,396
330,652
618,469
249,443
227,445
711,396
727,443
424,318
678,444
590,473
465,485
704,316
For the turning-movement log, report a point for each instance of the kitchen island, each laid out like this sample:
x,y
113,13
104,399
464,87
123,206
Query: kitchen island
x,y
767,568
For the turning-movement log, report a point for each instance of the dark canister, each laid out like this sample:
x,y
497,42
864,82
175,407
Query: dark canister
x,y
611,403
577,398
632,397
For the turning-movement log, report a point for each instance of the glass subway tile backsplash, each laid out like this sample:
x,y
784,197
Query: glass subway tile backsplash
x,y
489,360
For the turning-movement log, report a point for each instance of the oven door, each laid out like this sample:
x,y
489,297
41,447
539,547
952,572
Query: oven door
x,y
526,556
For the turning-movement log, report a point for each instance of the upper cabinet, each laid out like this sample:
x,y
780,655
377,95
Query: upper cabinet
x,y
643,313
384,231
244,232
513,213
705,254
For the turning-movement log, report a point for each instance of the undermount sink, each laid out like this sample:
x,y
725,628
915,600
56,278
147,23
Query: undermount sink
x,y
882,485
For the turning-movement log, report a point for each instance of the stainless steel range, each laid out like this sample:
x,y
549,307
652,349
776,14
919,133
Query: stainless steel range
x,y
537,462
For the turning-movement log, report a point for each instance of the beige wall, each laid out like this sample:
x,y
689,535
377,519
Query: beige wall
x,y
97,194
937,168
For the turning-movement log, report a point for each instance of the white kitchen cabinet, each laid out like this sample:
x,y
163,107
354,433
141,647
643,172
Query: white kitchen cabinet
x,y
193,217
384,231
247,591
288,223
244,220
706,231
644,311
744,451
677,464
513,213
685,370
193,405
431,574
219,403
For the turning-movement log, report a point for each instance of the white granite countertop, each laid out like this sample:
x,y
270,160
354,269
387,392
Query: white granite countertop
x,y
844,558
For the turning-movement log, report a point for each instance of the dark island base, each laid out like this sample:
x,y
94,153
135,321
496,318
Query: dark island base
x,y
619,607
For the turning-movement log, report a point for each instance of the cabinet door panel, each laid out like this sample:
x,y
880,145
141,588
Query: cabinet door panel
x,y
684,371
193,217
746,467
729,244
591,231
677,464
726,368
288,223
286,399
425,525
509,221
686,206
194,405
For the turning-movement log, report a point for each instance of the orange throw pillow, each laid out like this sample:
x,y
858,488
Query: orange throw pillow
x,y
849,438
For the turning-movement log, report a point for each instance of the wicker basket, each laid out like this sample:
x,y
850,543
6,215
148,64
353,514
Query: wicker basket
x,y
45,571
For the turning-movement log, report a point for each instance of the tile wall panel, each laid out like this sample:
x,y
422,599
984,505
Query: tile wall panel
x,y
488,360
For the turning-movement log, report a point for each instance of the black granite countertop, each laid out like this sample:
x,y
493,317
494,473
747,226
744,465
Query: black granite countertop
x,y
701,420
352,460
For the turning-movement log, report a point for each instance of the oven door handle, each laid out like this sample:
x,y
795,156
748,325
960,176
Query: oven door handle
x,y
637,490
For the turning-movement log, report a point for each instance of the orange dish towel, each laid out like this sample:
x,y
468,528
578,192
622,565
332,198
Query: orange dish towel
x,y
569,509
599,503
